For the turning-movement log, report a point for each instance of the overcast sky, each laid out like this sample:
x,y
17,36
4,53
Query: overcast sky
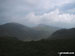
x,y
60,13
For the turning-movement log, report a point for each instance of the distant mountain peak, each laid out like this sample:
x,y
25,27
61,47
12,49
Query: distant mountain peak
x,y
12,23
19,31
42,25
45,27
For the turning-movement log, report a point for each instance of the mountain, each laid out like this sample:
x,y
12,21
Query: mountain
x,y
64,34
10,46
46,30
19,31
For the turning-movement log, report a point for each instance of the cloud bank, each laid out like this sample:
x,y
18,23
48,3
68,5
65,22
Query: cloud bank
x,y
52,18
60,13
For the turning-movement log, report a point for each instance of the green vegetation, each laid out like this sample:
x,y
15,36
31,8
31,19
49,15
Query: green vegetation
x,y
14,47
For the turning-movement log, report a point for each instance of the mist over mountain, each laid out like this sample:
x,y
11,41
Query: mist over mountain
x,y
34,12
37,27
43,27
26,33
13,36
46,29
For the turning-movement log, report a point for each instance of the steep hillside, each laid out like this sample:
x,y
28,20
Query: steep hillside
x,y
63,34
20,31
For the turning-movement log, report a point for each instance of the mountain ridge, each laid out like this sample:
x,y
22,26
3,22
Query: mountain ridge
x,y
64,34
18,30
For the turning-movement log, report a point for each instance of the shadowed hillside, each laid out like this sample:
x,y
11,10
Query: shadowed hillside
x,y
60,41
19,31
63,34
25,33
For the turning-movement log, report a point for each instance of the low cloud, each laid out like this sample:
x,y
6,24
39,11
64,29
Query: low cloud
x,y
52,18
60,13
